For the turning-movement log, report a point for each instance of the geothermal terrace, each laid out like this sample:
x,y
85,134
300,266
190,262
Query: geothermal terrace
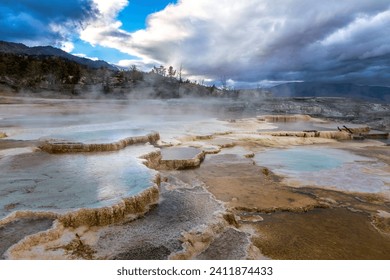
x,y
83,179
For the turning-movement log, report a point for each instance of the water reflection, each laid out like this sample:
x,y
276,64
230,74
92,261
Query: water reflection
x,y
327,167
45,182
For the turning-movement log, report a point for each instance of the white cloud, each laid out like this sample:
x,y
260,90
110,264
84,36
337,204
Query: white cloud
x,y
85,56
141,65
110,8
254,40
104,29
67,47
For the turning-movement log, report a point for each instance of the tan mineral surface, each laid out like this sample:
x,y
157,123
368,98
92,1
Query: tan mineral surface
x,y
124,183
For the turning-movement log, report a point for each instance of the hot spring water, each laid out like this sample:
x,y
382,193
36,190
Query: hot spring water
x,y
58,183
326,167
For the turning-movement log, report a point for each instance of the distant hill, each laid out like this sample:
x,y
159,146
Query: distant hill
x,y
17,48
48,71
314,89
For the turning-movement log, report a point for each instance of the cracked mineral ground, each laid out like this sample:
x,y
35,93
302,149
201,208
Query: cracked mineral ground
x,y
194,179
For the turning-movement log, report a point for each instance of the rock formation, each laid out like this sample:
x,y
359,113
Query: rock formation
x,y
56,147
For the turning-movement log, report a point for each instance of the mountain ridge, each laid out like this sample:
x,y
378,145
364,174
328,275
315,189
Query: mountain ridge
x,y
19,48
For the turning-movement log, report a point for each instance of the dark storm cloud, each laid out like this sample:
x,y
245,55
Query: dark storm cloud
x,y
119,34
42,21
256,40
245,41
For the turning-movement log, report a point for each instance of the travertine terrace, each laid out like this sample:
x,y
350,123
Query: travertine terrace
x,y
162,180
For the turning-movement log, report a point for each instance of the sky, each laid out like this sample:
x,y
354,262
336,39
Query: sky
x,y
247,43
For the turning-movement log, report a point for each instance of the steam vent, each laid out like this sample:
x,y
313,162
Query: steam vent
x,y
180,179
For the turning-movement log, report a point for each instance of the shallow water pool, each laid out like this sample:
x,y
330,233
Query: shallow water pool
x,y
44,182
327,167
